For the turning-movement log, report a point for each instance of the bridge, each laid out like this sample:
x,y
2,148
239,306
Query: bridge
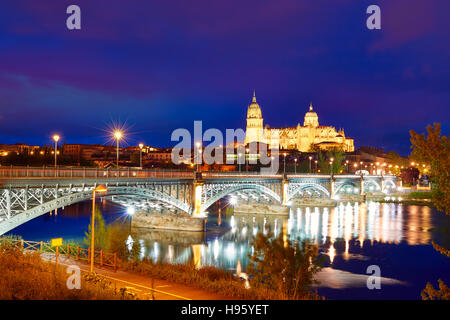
x,y
26,192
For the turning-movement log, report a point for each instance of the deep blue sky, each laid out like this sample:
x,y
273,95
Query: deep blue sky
x,y
160,65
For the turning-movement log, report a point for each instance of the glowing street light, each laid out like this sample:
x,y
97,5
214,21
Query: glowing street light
x,y
310,158
141,145
296,165
315,162
346,163
118,135
99,189
56,139
284,163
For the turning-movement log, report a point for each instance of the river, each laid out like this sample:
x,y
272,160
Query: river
x,y
351,237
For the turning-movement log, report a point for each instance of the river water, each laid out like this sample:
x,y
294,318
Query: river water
x,y
351,237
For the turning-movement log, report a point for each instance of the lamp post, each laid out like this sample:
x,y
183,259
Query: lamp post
x,y
315,162
246,160
355,165
331,166
284,163
56,139
239,161
198,154
296,166
310,158
346,162
117,135
99,189
141,145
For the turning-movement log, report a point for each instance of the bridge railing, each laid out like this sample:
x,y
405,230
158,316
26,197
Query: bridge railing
x,y
90,173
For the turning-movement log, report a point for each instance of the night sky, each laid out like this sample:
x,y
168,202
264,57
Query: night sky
x,y
160,65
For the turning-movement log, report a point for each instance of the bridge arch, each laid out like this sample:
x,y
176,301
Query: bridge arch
x,y
237,187
76,197
345,185
305,186
389,184
371,185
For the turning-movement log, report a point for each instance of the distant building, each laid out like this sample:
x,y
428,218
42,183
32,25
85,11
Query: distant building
x,y
301,138
18,148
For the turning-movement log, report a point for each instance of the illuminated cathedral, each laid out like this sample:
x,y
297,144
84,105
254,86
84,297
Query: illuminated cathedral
x,y
304,138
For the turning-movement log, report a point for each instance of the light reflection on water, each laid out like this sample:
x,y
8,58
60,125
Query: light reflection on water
x,y
350,237
360,224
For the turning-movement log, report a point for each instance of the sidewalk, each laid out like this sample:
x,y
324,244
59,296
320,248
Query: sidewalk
x,y
142,285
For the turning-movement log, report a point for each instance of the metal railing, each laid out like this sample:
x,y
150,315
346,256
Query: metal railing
x,y
91,173
104,259
12,172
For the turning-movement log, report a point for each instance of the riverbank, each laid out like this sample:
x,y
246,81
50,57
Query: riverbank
x,y
415,198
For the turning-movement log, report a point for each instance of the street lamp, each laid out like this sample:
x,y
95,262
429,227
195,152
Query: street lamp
x,y
296,165
118,135
315,161
141,145
239,161
360,168
246,160
56,139
310,158
284,163
198,153
99,189
346,162
331,167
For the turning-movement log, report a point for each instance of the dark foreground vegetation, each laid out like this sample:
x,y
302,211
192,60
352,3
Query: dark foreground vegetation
x,y
25,276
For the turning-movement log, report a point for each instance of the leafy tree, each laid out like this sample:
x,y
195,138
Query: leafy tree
x,y
285,266
338,159
435,151
101,232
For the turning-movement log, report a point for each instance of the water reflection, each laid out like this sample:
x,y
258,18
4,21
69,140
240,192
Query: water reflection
x,y
344,226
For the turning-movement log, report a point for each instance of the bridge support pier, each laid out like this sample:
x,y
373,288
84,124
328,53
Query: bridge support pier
x,y
197,198
285,191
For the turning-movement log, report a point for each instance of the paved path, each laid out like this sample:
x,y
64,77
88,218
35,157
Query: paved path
x,y
142,285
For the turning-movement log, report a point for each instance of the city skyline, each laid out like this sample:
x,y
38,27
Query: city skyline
x,y
159,76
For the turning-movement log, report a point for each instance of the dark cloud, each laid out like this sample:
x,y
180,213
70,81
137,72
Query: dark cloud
x,y
163,64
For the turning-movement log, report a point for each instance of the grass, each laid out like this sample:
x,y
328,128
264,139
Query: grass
x,y
25,276
419,195
211,279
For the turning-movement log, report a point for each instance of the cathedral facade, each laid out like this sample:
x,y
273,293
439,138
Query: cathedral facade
x,y
304,138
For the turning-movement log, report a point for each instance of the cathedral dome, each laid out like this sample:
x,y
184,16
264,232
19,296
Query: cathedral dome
x,y
254,111
311,118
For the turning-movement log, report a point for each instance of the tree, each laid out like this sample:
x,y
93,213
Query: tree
x,y
284,266
338,158
101,232
435,151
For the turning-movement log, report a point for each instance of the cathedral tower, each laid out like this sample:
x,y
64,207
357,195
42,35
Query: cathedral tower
x,y
254,131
